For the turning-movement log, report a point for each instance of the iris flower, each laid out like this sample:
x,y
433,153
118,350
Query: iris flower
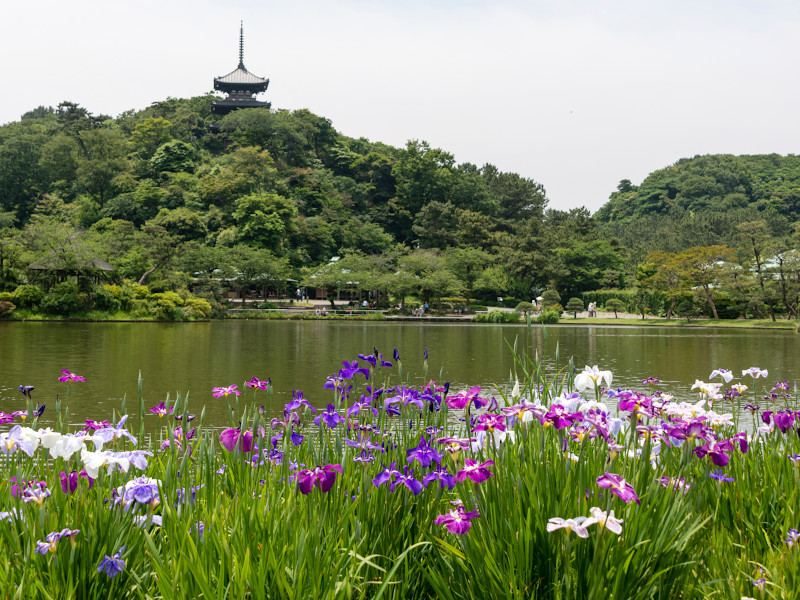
x,y
69,481
591,377
231,438
618,486
298,400
570,525
720,476
111,434
219,392
112,565
321,477
464,398
69,377
256,383
424,453
724,373
475,471
604,520
755,372
160,409
448,480
457,521
329,416
26,390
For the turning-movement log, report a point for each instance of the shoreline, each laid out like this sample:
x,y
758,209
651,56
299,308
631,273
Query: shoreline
x,y
627,321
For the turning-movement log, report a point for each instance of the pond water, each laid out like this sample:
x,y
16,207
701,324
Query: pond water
x,y
195,357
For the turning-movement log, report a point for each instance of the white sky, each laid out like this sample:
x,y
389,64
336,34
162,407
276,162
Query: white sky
x,y
576,95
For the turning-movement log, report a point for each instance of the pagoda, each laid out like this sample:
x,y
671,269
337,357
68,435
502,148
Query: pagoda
x,y
240,85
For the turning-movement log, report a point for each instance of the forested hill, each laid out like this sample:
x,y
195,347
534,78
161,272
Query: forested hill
x,y
168,192
720,182
702,201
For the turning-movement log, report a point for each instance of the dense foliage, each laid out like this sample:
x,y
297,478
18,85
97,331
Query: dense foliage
x,y
260,201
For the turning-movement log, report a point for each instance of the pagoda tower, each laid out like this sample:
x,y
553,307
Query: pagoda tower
x,y
240,85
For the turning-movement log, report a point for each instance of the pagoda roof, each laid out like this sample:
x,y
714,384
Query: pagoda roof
x,y
241,75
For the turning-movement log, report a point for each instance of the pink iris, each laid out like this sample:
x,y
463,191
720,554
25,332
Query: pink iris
x,y
67,376
219,392
475,471
458,520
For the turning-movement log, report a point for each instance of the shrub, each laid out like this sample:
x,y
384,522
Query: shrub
x,y
548,317
63,299
197,307
105,299
28,296
496,316
6,308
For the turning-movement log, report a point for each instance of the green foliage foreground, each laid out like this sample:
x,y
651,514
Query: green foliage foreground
x,y
236,524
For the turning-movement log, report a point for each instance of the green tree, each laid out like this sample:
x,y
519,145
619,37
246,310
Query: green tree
x,y
700,266
467,264
264,220
615,305
574,305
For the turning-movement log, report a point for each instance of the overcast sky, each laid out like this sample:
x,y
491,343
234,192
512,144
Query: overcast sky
x,y
576,95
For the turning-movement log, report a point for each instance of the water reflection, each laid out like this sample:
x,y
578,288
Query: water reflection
x,y
195,357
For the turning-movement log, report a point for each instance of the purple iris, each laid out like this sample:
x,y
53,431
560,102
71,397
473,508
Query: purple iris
x,y
618,486
112,565
351,369
464,398
69,377
475,471
91,424
490,422
784,420
424,453
231,438
219,392
385,476
26,390
720,476
457,521
363,404
716,451
321,477
298,400
405,396
69,481
448,480
362,441
396,354
256,383
407,479
329,416
160,409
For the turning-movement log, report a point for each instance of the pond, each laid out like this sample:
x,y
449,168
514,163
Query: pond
x,y
195,357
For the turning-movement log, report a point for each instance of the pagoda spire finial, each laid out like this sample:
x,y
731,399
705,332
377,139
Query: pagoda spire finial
x,y
241,44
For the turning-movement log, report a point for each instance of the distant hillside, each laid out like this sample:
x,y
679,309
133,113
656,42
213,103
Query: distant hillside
x,y
711,183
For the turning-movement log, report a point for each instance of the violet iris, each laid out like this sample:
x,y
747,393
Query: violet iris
x,y
321,477
457,521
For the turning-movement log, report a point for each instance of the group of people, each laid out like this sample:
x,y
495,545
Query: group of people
x,y
592,309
